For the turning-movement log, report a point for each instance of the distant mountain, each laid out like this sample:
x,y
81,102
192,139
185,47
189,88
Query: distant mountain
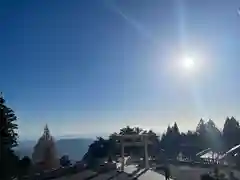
x,y
25,148
75,148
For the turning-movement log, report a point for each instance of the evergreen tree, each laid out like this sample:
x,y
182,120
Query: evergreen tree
x,y
214,137
170,142
189,144
129,131
201,127
231,131
201,130
8,140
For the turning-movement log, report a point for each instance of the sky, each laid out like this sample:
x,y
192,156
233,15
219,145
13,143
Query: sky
x,y
93,66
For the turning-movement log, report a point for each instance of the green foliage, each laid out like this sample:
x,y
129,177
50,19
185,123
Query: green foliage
x,y
190,144
231,130
170,141
8,126
8,140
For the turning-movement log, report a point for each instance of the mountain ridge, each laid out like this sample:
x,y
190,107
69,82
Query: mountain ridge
x,y
75,148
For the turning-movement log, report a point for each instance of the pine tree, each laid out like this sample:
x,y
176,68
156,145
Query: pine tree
x,y
8,140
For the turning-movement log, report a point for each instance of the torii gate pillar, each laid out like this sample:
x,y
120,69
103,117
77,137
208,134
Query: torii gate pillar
x,y
144,142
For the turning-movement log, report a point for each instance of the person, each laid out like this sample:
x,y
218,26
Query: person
x,y
167,173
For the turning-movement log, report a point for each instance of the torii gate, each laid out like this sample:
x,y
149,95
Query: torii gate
x,y
144,141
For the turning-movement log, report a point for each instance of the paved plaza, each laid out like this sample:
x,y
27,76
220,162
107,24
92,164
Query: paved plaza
x,y
143,174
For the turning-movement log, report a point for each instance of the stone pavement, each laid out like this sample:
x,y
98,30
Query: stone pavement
x,y
139,174
78,176
143,174
151,175
131,172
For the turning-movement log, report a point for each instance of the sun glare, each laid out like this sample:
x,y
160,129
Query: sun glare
x,y
188,63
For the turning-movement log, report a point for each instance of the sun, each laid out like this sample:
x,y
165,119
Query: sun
x,y
188,63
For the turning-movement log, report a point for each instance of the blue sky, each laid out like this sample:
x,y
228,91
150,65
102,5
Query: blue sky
x,y
91,66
